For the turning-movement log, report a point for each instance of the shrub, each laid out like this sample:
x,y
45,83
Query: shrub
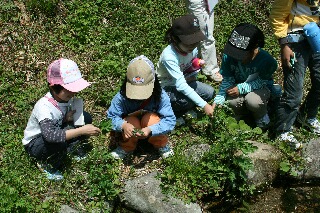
x,y
222,170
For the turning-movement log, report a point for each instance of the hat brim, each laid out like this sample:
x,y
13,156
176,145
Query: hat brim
x,y
235,53
77,85
139,92
192,38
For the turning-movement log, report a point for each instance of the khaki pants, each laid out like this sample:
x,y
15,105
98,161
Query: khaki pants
x,y
254,102
146,120
207,48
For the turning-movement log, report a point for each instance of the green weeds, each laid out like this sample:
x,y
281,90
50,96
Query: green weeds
x,y
102,37
221,170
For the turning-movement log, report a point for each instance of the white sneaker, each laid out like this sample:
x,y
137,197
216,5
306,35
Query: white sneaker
x,y
166,151
314,124
55,175
263,122
51,174
118,153
291,140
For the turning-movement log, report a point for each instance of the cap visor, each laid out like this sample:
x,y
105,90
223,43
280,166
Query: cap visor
x,y
139,92
77,85
235,52
192,38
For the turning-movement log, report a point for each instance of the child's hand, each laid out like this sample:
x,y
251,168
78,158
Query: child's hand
x,y
90,130
143,133
69,116
208,109
127,130
286,55
233,91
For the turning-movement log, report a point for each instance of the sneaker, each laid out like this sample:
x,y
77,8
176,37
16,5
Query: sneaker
x,y
80,158
314,124
192,114
263,122
291,140
118,153
180,121
51,173
56,175
166,151
217,77
80,154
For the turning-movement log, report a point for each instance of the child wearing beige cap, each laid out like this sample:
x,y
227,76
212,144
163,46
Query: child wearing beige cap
x,y
141,110
50,133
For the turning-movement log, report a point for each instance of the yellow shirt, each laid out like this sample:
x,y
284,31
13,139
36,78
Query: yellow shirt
x,y
291,15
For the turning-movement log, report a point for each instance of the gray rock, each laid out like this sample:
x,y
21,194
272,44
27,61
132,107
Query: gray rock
x,y
195,152
144,195
67,209
310,154
266,161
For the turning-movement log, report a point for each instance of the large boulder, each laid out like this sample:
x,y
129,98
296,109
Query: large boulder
x,y
266,160
144,194
311,155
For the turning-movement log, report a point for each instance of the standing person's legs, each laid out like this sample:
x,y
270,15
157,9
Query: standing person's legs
x,y
309,108
157,141
207,47
293,89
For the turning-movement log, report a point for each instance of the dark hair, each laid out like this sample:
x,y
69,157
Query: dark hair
x,y
156,94
169,37
56,88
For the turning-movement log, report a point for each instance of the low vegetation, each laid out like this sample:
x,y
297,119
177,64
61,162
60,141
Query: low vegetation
x,y
102,37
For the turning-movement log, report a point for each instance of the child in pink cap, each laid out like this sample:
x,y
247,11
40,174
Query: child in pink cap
x,y
50,134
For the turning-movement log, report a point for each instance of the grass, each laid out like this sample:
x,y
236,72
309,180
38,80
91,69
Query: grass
x,y
102,37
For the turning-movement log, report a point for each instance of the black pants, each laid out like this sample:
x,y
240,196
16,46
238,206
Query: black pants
x,y
56,153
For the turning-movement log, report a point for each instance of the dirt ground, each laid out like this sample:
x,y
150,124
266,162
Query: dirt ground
x,y
296,199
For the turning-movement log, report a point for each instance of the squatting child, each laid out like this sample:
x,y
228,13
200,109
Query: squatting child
x,y
50,134
185,92
141,110
247,74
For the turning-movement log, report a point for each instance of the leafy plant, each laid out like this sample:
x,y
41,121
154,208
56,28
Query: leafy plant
x,y
102,37
48,8
103,176
220,170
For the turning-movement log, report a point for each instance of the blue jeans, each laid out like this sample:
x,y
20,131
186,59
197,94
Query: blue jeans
x,y
289,107
181,104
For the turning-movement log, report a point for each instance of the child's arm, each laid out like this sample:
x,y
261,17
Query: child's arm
x,y
116,111
171,65
87,129
56,135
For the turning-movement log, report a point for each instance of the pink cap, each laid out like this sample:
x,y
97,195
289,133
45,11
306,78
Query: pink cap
x,y
66,73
